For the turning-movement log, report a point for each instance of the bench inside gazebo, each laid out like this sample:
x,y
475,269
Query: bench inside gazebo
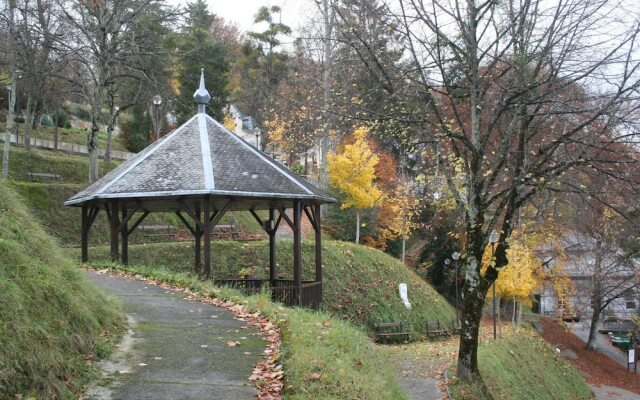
x,y
200,171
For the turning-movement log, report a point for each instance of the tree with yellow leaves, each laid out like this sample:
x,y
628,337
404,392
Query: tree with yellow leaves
x,y
352,171
405,206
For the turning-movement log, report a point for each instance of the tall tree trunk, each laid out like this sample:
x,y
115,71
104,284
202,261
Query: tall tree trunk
x,y
472,303
513,316
358,226
12,99
520,311
404,248
56,128
596,296
92,139
328,16
28,122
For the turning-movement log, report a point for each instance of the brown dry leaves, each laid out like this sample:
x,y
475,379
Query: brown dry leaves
x,y
267,376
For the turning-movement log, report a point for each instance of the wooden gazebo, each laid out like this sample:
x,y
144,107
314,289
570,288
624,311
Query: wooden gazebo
x,y
200,171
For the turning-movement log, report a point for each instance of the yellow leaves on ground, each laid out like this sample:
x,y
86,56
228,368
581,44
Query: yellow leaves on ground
x,y
353,172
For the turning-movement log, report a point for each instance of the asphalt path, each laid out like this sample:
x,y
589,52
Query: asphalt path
x,y
175,348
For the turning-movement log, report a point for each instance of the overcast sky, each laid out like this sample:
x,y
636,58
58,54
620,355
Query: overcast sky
x,y
241,12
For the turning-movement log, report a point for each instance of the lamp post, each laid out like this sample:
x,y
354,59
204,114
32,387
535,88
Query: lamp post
x,y
157,101
456,256
493,239
257,133
15,126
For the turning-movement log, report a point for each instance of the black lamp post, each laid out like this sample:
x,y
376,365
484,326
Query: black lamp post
x,y
493,239
456,256
157,101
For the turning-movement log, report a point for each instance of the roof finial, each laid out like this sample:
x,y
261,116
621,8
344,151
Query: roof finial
x,y
202,96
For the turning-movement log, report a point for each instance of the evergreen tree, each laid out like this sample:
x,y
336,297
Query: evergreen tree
x,y
198,49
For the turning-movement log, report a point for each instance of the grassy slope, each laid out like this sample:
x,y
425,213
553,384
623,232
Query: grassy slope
x,y
523,366
71,135
72,169
360,284
323,357
51,319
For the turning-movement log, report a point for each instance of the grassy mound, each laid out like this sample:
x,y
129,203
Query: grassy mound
x,y
323,357
360,284
521,365
72,169
52,322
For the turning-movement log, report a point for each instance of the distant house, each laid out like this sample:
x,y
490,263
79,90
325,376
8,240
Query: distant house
x,y
619,280
245,126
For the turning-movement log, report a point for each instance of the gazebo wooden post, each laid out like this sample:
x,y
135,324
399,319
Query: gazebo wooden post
x,y
297,250
85,233
318,234
272,246
198,238
125,236
114,231
206,227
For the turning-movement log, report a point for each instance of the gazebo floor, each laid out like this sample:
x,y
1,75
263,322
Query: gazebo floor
x,y
282,290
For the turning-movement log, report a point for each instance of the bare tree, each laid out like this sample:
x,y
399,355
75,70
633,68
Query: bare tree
x,y
38,33
106,35
11,5
512,96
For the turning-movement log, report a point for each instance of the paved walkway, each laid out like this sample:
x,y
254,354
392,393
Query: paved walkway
x,y
176,348
581,330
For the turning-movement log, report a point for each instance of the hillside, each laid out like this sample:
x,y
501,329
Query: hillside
x,y
520,365
71,168
52,322
360,284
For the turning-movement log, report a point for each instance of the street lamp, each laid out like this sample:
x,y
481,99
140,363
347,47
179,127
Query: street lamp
x,y
157,101
456,256
493,239
17,117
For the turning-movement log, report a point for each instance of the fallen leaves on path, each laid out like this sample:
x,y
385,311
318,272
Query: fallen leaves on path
x,y
597,368
267,375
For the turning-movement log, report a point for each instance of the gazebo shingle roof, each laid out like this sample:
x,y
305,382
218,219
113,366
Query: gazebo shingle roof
x,y
200,157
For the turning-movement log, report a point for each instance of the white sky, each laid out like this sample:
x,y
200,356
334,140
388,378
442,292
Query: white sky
x,y
241,12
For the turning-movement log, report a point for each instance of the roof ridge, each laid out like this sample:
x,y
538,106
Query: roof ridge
x,y
205,149
257,152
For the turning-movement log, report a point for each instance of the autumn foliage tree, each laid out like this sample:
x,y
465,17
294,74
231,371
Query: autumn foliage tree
x,y
515,95
352,171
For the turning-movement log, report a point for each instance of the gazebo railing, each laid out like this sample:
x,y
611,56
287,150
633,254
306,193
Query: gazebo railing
x,y
282,290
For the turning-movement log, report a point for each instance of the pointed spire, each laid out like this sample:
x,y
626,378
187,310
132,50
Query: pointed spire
x,y
202,96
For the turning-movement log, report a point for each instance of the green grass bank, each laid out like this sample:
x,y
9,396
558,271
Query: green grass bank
x,y
522,366
360,283
53,323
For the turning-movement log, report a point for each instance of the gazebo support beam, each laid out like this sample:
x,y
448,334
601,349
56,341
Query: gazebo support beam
x,y
297,249
138,221
318,234
270,227
89,214
206,228
124,232
197,235
112,213
85,233
272,246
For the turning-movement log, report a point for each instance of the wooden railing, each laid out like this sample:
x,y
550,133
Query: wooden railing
x,y
282,290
